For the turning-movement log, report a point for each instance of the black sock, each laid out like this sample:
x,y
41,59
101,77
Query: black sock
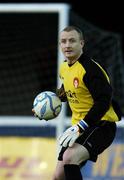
x,y
72,172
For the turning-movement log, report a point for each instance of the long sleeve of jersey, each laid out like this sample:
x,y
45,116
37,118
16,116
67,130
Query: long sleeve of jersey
x,y
97,82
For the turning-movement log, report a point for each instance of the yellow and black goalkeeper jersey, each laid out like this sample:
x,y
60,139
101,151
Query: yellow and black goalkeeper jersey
x,y
88,91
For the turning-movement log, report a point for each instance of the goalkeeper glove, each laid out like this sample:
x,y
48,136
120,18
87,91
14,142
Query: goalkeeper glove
x,y
69,137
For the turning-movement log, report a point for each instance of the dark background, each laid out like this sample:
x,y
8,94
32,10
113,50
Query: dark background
x,y
100,14
106,14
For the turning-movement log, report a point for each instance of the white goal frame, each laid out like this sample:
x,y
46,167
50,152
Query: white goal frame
x,y
63,19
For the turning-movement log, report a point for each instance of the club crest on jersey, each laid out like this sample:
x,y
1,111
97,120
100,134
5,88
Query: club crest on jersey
x,y
76,82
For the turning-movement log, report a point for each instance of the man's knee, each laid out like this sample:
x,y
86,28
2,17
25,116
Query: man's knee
x,y
68,157
75,155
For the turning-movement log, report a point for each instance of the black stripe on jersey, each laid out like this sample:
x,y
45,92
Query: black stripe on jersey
x,y
99,87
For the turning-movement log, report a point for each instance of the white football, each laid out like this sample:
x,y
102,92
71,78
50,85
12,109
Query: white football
x,y
47,105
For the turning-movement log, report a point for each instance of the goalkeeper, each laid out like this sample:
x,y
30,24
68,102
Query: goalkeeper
x,y
87,88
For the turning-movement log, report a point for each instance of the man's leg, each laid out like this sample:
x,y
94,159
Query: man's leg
x,y
59,171
72,158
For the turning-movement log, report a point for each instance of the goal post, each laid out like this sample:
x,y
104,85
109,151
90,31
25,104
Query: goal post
x,y
45,10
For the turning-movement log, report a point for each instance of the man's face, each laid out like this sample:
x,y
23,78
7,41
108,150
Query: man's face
x,y
71,44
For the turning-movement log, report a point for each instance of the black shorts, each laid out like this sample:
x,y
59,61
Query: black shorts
x,y
95,139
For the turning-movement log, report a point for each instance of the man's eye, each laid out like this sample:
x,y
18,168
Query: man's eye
x,y
72,40
63,41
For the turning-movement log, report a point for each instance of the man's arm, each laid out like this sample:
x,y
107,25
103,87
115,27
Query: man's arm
x,y
101,91
61,93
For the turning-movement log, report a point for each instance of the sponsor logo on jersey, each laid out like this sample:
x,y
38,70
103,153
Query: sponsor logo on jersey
x,y
72,98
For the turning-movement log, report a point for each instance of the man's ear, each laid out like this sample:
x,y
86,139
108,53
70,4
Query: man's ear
x,y
82,43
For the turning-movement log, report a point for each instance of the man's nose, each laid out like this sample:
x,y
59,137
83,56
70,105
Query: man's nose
x,y
68,44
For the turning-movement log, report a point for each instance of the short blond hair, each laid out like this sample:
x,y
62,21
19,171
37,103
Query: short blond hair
x,y
71,28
